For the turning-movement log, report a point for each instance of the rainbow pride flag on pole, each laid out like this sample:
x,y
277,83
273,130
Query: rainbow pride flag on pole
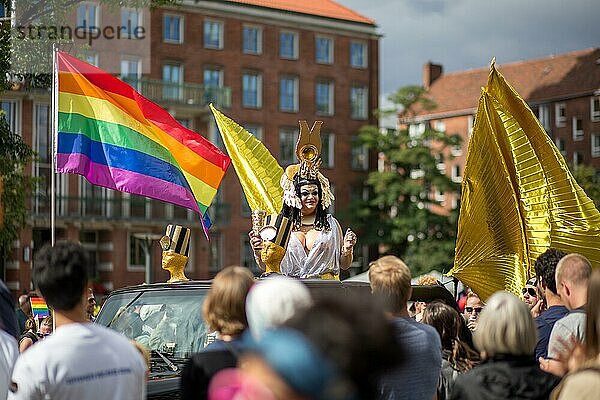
x,y
116,138
39,308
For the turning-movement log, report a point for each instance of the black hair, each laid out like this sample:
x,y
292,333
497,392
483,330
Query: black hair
x,y
61,274
295,215
363,347
545,267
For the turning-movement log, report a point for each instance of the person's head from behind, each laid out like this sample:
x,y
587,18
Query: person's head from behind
x,y
572,278
445,320
24,304
61,275
224,306
505,327
354,335
273,301
545,268
390,283
592,310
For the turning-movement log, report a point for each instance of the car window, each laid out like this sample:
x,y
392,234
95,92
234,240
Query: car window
x,y
169,321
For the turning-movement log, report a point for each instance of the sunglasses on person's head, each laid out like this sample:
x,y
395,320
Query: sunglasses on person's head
x,y
530,290
471,309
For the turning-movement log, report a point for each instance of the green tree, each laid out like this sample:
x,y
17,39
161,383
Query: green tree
x,y
587,177
397,217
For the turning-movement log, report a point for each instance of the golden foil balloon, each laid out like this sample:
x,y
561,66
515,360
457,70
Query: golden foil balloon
x,y
518,197
258,171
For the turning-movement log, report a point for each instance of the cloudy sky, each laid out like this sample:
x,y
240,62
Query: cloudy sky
x,y
466,34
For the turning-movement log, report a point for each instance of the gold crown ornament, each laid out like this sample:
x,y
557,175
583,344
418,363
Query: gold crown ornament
x,y
176,245
308,151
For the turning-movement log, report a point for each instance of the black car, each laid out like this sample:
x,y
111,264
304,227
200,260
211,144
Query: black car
x,y
167,319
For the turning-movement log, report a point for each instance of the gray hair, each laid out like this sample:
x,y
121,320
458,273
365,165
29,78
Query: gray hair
x,y
505,327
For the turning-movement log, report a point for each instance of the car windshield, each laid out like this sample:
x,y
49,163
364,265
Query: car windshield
x,y
168,321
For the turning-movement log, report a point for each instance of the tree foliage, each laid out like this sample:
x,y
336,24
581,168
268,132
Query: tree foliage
x,y
587,177
15,155
398,216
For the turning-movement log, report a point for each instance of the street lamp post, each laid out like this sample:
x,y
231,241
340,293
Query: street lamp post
x,y
146,241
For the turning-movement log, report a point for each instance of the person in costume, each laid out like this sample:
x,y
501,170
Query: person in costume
x,y
317,248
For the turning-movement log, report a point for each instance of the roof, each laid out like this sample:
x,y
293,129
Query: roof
x,y
544,79
323,8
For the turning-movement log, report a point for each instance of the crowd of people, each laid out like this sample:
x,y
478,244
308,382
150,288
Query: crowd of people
x,y
276,341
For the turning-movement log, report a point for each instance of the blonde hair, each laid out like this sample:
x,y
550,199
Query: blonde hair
x,y
224,306
427,280
505,327
390,281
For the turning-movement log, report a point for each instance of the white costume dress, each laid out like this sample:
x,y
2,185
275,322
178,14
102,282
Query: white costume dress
x,y
323,258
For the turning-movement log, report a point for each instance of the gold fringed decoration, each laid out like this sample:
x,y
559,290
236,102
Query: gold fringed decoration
x,y
518,197
258,171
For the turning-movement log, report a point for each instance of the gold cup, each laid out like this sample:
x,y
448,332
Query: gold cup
x,y
258,220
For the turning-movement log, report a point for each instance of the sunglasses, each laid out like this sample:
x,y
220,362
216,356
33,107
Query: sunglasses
x,y
530,290
471,309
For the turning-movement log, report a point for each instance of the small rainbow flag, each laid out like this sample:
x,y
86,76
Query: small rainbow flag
x,y
39,308
116,138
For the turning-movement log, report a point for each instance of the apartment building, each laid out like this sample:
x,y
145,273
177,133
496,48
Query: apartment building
x,y
264,65
562,90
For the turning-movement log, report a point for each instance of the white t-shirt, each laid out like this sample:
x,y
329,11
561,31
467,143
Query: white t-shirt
x,y
80,361
9,351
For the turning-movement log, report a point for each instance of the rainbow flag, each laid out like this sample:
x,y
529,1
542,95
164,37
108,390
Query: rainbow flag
x,y
116,138
39,308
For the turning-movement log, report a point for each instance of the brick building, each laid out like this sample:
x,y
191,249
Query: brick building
x,y
562,90
264,66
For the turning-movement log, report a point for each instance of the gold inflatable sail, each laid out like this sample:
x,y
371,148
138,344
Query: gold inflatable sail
x,y
258,171
518,197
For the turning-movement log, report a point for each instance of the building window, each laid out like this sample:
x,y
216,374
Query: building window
x,y
577,159
252,39
595,108
360,156
245,211
172,82
255,130
288,45
560,145
359,102
137,255
416,130
213,81
172,28
323,50
543,114
41,166
324,97
560,114
440,126
358,54
577,128
456,177
327,150
288,93
131,20
87,16
470,122
596,145
91,57
131,71
10,112
185,122
214,136
251,90
216,253
213,34
287,145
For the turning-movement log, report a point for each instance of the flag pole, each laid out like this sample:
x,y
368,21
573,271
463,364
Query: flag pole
x,y
53,137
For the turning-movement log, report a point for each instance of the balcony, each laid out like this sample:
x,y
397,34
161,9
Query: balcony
x,y
184,94
120,209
